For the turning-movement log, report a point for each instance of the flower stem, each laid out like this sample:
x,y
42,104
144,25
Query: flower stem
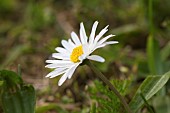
x,y
107,82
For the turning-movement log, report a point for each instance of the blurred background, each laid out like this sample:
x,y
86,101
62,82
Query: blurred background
x,y
31,29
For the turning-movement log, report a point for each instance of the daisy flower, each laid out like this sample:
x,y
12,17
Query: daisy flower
x,y
76,50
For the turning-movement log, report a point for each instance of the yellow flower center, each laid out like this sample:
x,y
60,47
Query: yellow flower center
x,y
78,51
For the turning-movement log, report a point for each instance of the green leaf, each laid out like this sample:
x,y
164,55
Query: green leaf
x,y
147,104
28,98
153,53
15,97
150,86
21,101
106,100
10,78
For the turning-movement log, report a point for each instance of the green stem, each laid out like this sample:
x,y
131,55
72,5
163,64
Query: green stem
x,y
107,82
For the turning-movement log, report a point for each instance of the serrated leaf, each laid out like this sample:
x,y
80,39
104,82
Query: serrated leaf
x,y
106,100
150,86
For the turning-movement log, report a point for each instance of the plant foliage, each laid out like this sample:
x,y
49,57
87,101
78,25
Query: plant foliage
x,y
15,96
107,101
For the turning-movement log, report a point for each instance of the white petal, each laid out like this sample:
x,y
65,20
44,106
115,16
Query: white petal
x,y
56,65
57,61
92,35
85,49
99,46
111,42
56,72
82,57
105,39
50,61
72,71
71,43
61,50
75,38
63,78
96,58
104,44
67,45
61,56
102,32
83,35
66,75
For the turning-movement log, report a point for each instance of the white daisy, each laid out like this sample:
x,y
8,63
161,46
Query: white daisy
x,y
76,50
